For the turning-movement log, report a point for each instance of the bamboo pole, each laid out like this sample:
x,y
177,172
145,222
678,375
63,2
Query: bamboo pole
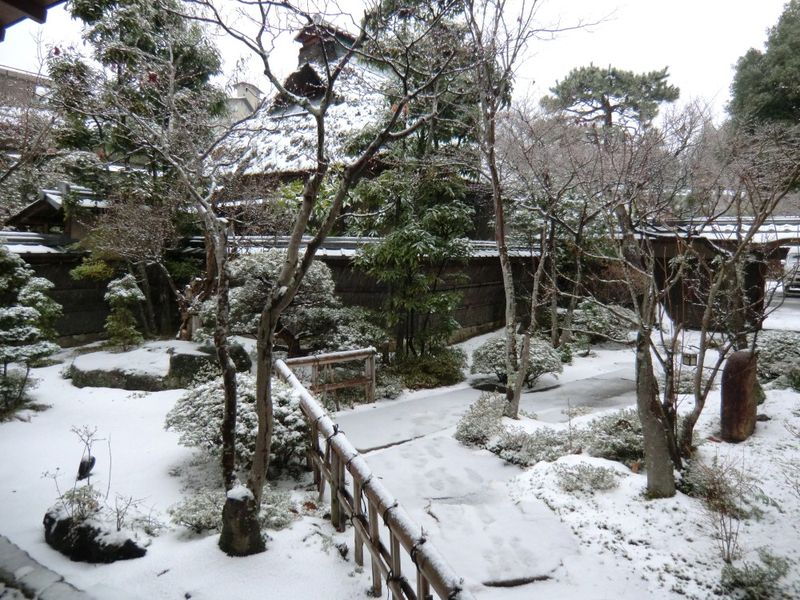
x,y
375,538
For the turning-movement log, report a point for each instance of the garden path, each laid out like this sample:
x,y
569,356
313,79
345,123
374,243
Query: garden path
x,y
462,497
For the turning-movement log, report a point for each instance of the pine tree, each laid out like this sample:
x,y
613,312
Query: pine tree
x,y
611,96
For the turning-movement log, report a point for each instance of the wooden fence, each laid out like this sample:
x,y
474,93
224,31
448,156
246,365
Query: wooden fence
x,y
379,523
322,371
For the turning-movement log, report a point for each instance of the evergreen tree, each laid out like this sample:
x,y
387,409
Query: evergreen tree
x,y
150,68
124,296
766,85
27,317
611,96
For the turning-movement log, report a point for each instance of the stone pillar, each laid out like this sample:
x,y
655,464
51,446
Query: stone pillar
x,y
738,407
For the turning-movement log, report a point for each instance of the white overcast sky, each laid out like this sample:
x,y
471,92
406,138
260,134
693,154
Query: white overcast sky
x,y
699,40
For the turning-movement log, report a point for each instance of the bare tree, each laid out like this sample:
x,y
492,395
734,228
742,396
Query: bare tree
x,y
413,81
500,33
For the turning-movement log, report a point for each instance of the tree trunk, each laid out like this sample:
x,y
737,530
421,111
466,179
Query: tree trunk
x,y
241,529
150,313
658,459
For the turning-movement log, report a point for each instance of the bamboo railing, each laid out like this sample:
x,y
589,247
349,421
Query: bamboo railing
x,y
322,368
379,523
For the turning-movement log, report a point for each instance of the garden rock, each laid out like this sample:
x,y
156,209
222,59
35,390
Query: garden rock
x,y
86,541
738,408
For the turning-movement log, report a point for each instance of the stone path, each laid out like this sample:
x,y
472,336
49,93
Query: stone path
x,y
22,577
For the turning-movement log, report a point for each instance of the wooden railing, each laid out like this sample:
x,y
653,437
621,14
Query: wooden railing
x,y
380,524
322,371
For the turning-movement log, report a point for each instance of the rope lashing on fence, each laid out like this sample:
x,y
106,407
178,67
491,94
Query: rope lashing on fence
x,y
386,512
415,548
349,460
336,431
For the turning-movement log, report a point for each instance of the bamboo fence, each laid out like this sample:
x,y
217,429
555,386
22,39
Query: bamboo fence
x,y
379,523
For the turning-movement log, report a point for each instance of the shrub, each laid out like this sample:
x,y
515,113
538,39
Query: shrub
x,y
490,357
440,367
685,381
197,417
482,420
27,317
778,353
203,510
123,295
603,322
616,436
585,478
315,320
754,581
525,449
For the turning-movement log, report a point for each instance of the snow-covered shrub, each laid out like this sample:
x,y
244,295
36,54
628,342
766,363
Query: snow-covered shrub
x,y
123,295
27,316
315,321
778,353
490,357
203,510
443,366
756,581
603,322
616,436
482,421
685,381
585,478
197,417
528,448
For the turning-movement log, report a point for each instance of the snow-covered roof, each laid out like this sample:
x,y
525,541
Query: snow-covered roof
x,y
283,139
26,242
350,247
778,230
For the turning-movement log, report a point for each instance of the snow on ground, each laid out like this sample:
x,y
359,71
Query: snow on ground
x,y
301,562
151,358
494,523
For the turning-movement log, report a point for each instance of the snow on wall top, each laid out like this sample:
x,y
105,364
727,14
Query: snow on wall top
x,y
284,139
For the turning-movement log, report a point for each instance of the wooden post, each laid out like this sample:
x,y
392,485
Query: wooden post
x,y
371,378
313,451
358,543
423,587
375,537
394,549
336,507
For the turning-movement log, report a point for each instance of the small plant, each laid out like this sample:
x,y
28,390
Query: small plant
x,y
526,449
482,421
124,296
722,487
203,510
585,478
490,357
81,502
756,581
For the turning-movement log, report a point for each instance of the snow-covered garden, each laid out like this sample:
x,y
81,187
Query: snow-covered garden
x,y
547,517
